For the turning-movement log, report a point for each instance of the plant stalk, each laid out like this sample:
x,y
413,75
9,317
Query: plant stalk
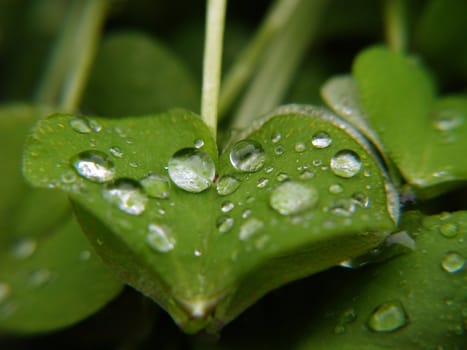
x,y
395,16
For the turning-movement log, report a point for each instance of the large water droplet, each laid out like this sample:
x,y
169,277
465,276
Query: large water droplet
x,y
80,125
39,277
191,170
24,248
453,262
160,238
227,185
126,195
346,163
321,140
5,291
249,228
95,166
449,229
156,186
293,197
248,156
388,317
224,224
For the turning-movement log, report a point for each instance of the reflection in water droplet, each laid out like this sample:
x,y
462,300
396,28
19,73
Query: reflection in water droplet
x,y
250,227
116,152
262,182
24,248
198,143
5,291
447,120
449,229
300,147
156,186
276,137
321,140
336,189
224,224
80,125
247,156
160,238
39,277
94,166
227,185
453,262
227,206
346,163
388,317
293,197
191,170
126,195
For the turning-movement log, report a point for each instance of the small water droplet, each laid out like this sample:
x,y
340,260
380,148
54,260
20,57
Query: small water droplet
x,y
262,182
80,125
227,185
68,177
388,317
449,229
453,262
24,248
317,162
160,238
246,213
39,277
156,186
84,255
116,151
343,207
250,227
95,126
335,189
321,140
133,164
307,175
279,150
361,200
227,206
198,143
269,170
346,163
276,137
224,224
300,147
281,177
191,170
95,166
5,291
447,120
126,195
293,197
247,156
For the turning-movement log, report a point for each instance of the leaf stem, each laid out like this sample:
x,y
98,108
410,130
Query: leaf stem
x,y
395,15
66,74
212,62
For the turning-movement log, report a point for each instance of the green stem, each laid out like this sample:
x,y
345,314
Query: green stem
x,y
278,16
280,62
212,62
68,68
395,13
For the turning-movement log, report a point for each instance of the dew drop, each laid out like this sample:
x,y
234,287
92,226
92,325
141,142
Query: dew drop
x,y
224,224
156,186
279,150
227,206
95,126
39,277
198,143
276,137
282,177
346,164
321,140
126,195
227,185
116,151
293,197
335,189
84,255
95,166
247,156
246,213
68,177
262,182
388,317
269,170
361,200
160,238
249,228
5,291
343,207
447,121
191,170
453,262
80,125
300,147
197,253
24,248
307,175
449,229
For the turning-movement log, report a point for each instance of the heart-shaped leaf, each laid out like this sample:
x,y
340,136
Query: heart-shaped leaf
x,y
49,275
415,301
398,96
204,237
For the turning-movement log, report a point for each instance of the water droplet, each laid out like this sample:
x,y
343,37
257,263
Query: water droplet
x,y
343,207
335,189
160,238
249,228
68,177
276,137
126,195
191,170
84,255
447,120
268,169
348,316
80,125
388,317
248,156
24,248
449,229
227,185
227,206
224,224
361,200
317,162
453,262
133,164
5,291
156,186
300,147
293,197
197,252
116,151
262,182
279,150
307,175
346,163
246,213
321,140
198,143
39,277
95,126
95,166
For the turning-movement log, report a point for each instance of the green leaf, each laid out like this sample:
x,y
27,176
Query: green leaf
x,y
135,74
49,276
415,301
301,193
398,96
